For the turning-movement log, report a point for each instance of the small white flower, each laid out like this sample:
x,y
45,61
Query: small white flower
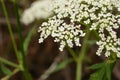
x,y
41,40
118,55
87,21
107,53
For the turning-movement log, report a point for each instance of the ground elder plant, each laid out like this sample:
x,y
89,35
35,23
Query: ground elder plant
x,y
74,20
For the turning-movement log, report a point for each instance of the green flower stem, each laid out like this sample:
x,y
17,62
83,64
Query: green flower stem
x,y
9,76
79,59
10,29
96,35
79,70
82,56
72,53
8,62
25,71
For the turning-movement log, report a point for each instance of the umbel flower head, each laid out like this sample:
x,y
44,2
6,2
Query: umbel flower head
x,y
102,16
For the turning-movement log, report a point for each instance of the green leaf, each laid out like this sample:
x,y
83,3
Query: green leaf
x,y
63,64
5,70
28,39
98,75
97,66
108,72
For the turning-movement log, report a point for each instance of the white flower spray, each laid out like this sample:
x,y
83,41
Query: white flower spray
x,y
103,15
65,26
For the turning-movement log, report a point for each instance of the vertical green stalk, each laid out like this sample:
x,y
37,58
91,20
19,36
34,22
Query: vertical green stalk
x,y
10,29
82,56
79,70
25,71
72,53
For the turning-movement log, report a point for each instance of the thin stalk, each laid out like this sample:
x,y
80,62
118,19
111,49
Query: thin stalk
x,y
10,29
72,53
79,70
25,71
96,35
81,56
84,45
8,62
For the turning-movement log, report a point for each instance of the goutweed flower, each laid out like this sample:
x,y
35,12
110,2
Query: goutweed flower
x,y
40,9
102,16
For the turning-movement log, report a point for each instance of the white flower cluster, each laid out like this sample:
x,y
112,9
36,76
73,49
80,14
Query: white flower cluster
x,y
106,20
64,33
70,15
40,9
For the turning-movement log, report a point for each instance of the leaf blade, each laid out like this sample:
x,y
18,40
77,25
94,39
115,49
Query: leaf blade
x,y
5,70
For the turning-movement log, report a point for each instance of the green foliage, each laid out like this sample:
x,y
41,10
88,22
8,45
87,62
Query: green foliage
x,y
28,39
98,75
97,66
108,72
104,71
5,70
